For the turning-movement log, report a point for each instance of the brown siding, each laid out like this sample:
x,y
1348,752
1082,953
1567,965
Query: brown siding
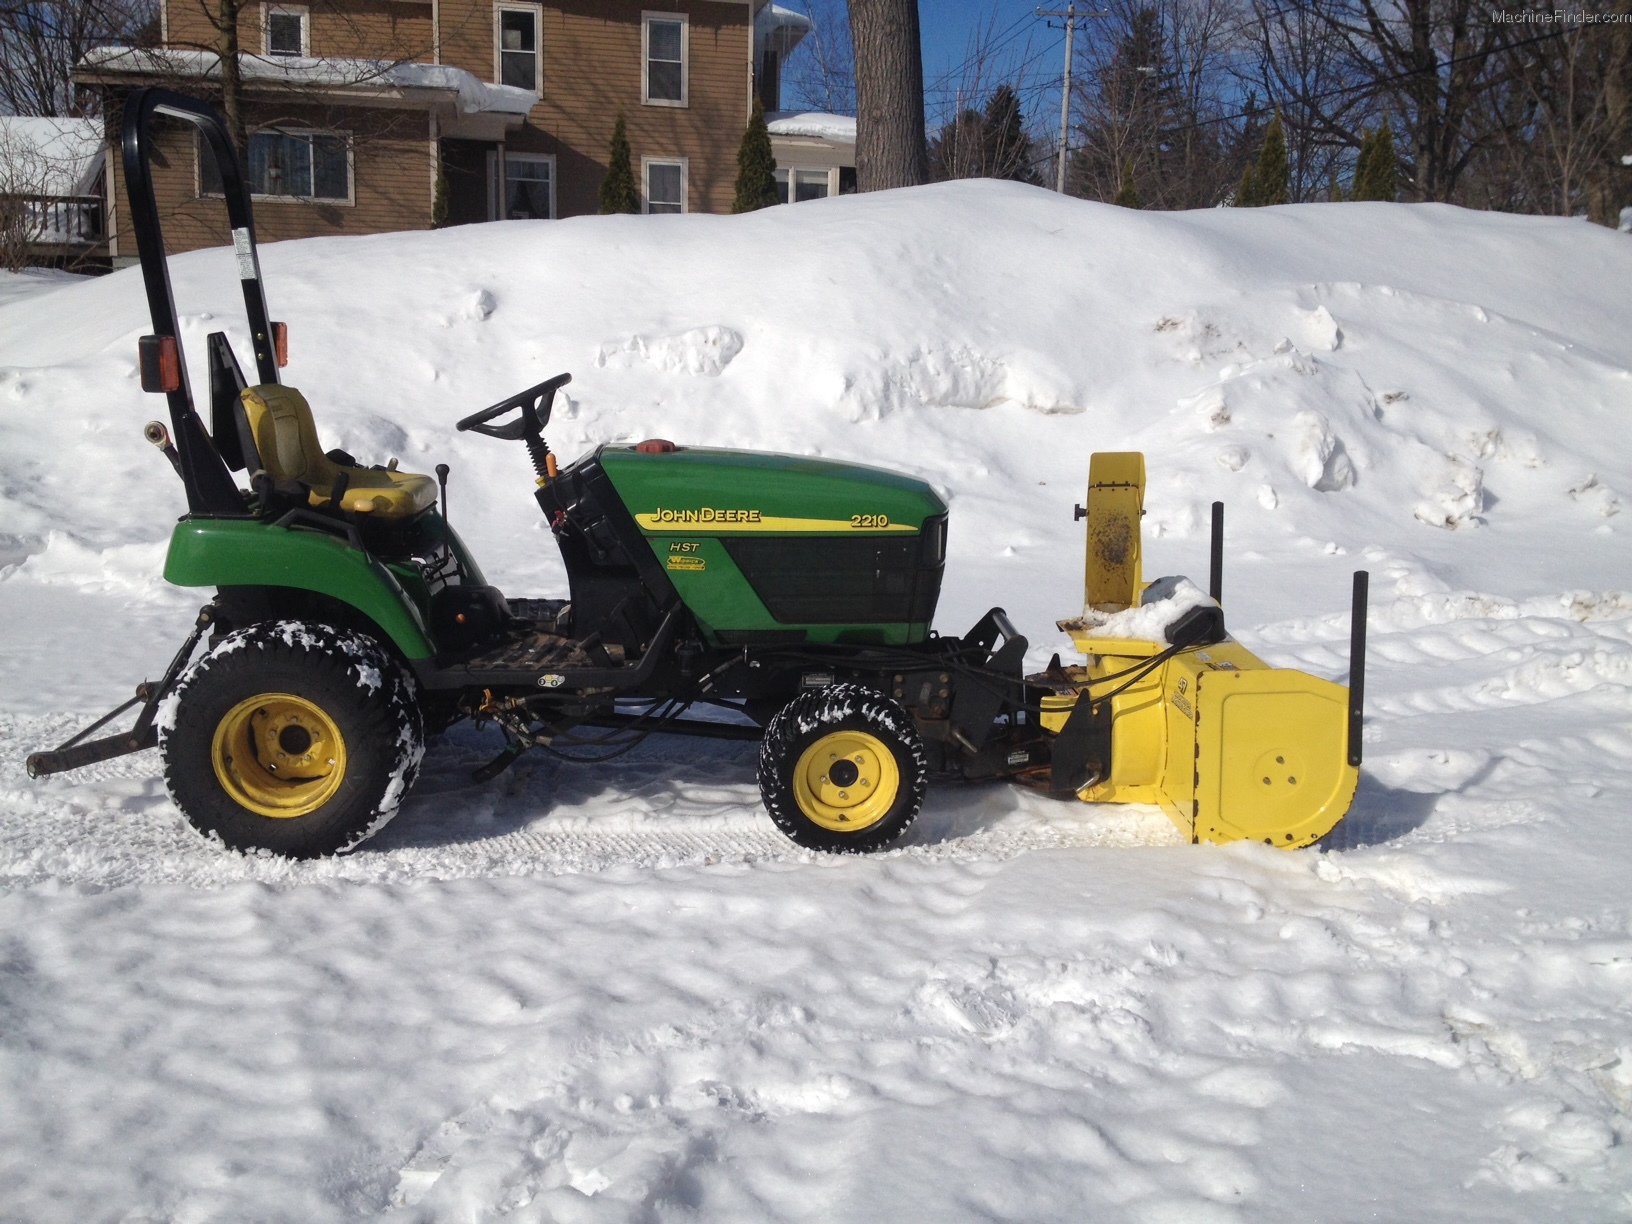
x,y
358,29
592,73
391,175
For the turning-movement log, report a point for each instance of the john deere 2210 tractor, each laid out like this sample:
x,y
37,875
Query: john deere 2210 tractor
x,y
349,621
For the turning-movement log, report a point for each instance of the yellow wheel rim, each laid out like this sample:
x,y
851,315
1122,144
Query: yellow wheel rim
x,y
278,755
847,780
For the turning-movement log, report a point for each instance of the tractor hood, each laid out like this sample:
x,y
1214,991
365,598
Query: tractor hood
x,y
730,492
785,548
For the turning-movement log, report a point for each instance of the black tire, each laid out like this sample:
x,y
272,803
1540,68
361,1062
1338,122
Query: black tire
x,y
858,728
300,686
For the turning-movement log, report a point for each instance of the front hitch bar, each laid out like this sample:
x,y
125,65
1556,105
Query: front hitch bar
x,y
76,754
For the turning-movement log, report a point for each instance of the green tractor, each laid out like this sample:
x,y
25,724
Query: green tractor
x,y
795,596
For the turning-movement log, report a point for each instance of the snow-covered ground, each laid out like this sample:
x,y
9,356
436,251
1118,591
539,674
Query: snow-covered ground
x,y
616,994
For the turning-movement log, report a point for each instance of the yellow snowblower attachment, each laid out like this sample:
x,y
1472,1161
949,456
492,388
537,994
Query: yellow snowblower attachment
x,y
1230,747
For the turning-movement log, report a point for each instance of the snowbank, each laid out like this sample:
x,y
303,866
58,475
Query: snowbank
x,y
616,994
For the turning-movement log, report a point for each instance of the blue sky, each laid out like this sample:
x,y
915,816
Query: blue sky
x,y
1023,49
1024,46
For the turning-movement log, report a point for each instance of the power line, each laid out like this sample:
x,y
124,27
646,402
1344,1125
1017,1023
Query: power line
x,y
980,52
1070,16
1372,85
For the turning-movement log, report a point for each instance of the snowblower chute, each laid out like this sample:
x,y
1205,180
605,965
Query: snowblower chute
x,y
1230,747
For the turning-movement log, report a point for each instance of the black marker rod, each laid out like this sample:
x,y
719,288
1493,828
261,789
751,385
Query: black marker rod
x,y
1215,579
1357,664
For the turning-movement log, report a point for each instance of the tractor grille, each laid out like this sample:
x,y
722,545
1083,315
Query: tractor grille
x,y
841,581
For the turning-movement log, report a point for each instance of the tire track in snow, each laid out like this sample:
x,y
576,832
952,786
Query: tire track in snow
x,y
1436,693
670,803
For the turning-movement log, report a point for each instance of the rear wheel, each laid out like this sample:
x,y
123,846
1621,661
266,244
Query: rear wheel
x,y
293,737
842,769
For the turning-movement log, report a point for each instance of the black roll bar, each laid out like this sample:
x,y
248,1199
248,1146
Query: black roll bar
x,y
210,487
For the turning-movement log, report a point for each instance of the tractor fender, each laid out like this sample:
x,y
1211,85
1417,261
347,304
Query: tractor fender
x,y
208,552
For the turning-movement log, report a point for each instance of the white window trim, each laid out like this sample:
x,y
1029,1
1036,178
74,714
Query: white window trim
x,y
830,173
685,181
349,201
646,19
504,203
537,10
298,10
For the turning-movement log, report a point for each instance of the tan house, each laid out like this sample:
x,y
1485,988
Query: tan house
x,y
373,115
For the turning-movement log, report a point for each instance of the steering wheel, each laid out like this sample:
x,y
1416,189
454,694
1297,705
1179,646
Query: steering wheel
x,y
535,404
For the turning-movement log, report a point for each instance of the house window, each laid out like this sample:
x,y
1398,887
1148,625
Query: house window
x,y
665,185
804,185
286,31
665,41
519,61
529,187
289,165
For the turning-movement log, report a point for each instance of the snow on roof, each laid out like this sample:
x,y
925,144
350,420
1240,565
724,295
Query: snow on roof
x,y
474,95
841,129
50,156
773,18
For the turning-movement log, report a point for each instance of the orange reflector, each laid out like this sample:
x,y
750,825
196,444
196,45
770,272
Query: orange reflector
x,y
160,363
280,343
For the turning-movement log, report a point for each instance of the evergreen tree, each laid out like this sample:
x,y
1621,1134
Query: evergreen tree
x,y
985,144
1384,167
439,196
618,194
1246,195
1274,171
1378,182
1127,195
1009,154
756,167
1362,163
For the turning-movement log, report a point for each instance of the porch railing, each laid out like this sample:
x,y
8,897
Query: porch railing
x,y
59,220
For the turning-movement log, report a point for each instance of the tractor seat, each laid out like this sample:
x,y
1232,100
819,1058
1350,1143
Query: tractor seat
x,y
281,422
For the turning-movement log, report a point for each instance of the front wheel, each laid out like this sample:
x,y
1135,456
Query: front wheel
x,y
292,737
842,769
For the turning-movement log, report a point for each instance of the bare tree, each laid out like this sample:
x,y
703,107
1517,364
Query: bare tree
x,y
1152,116
890,149
1432,66
1300,62
1574,127
23,178
821,73
39,166
42,40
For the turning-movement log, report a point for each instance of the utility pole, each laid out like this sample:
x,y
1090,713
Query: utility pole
x,y
1071,16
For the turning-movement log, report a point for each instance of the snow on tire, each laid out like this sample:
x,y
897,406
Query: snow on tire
x,y
293,737
842,769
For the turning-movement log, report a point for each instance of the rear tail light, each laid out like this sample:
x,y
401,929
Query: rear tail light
x,y
280,343
160,362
